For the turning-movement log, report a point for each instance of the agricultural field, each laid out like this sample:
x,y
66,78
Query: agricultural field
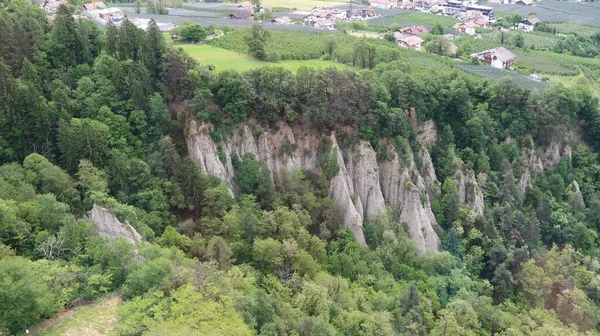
x,y
95,319
556,11
226,59
495,74
428,19
556,64
533,40
286,45
573,28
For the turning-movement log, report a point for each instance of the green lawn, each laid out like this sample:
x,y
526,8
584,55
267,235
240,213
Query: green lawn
x,y
97,318
226,59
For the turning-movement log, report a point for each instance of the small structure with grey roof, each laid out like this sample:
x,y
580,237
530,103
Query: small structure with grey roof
x,y
241,15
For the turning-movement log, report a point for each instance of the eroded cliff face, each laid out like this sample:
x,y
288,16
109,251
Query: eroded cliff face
x,y
469,191
108,226
542,160
362,187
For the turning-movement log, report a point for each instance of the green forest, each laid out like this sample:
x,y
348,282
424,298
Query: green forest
x,y
99,118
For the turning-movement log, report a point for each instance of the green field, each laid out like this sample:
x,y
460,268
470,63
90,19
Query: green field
x,y
226,59
97,318
425,19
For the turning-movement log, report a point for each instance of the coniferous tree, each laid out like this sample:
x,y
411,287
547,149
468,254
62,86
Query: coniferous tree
x,y
112,39
65,45
154,49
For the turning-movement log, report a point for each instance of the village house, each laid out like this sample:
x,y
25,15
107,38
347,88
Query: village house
x,y
524,2
500,57
324,24
105,15
468,27
50,6
528,24
449,36
385,4
408,41
466,10
241,15
414,30
145,23
282,20
317,15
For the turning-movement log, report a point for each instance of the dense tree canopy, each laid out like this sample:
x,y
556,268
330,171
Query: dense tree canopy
x,y
99,117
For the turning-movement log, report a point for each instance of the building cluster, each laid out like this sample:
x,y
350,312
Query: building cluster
x,y
326,17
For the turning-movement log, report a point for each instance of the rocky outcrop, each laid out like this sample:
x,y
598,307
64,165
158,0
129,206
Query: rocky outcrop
x,y
404,188
108,226
548,159
469,191
574,196
525,181
341,190
362,187
363,167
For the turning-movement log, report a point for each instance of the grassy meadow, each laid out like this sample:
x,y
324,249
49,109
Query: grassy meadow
x,y
224,59
95,319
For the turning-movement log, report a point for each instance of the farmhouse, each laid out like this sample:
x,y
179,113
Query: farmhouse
x,y
528,24
414,30
241,15
524,2
385,4
282,20
324,23
499,57
408,41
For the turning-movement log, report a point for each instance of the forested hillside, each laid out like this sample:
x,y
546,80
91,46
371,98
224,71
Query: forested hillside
x,y
241,187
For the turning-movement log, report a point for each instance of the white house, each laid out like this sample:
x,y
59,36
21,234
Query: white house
x,y
528,24
500,57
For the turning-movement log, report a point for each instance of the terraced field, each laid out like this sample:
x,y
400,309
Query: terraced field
x,y
495,74
557,11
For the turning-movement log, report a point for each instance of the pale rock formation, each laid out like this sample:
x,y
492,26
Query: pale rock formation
x,y
469,191
548,160
427,133
575,198
361,188
203,149
362,166
341,190
108,226
427,171
417,214
525,181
